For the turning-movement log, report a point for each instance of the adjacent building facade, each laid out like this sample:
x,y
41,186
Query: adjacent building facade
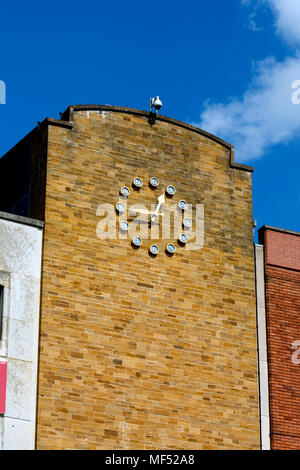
x,y
278,255
139,351
20,277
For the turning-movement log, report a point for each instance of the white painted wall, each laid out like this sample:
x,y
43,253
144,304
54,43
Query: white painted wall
x,y
20,273
262,348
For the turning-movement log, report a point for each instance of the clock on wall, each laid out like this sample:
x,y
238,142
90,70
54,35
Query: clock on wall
x,y
168,193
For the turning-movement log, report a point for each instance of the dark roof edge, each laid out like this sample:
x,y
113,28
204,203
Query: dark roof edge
x,y
67,116
45,123
21,220
66,121
262,230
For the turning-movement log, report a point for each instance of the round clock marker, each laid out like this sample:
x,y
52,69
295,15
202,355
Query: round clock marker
x,y
125,191
171,248
137,241
182,204
154,249
154,182
137,182
170,190
183,238
124,226
187,222
120,207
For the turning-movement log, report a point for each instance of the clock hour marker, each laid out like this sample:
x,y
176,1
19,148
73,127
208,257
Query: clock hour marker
x,y
154,182
171,248
154,249
137,241
170,190
125,191
183,238
137,182
120,207
182,204
187,222
124,226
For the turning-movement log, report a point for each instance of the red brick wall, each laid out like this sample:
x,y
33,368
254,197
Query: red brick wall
x,y
282,274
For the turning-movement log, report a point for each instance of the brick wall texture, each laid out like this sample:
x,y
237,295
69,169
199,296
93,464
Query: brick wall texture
x,y
282,277
139,352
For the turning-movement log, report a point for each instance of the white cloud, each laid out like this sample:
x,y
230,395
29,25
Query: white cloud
x,y
287,13
251,22
287,17
265,115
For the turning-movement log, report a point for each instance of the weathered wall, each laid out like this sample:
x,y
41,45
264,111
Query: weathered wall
x,y
139,352
282,277
20,270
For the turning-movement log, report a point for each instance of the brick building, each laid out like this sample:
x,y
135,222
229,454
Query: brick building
x,y
278,260
137,350
197,349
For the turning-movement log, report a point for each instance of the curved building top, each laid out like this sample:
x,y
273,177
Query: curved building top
x,y
68,115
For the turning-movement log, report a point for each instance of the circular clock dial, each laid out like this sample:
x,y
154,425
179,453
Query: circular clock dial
x,y
160,209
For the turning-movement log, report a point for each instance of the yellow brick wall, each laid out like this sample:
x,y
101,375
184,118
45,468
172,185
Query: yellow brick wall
x,y
139,352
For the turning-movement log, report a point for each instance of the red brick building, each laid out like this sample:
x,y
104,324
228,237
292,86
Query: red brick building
x,y
281,250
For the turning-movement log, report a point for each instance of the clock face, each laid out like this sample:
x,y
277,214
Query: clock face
x,y
155,215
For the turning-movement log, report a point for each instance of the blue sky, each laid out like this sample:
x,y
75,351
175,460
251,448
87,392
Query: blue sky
x,y
227,66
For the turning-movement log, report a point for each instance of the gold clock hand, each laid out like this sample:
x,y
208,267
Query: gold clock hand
x,y
161,200
143,211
